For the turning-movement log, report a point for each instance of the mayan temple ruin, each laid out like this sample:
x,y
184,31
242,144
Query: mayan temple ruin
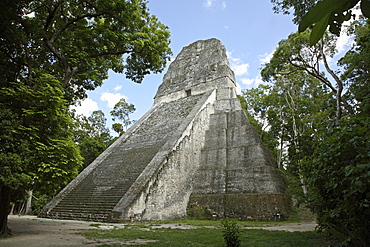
x,y
194,154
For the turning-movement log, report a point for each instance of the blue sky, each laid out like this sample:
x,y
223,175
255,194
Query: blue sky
x,y
249,30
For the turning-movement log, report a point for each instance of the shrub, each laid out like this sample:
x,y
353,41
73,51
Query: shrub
x,y
231,233
339,181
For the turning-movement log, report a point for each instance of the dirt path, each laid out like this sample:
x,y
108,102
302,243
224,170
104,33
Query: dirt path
x,y
30,231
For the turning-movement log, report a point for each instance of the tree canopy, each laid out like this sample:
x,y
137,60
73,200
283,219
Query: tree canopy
x,y
294,54
78,42
320,117
121,111
51,53
36,149
91,135
357,71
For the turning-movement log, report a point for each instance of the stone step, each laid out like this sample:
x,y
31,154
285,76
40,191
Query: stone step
x,y
100,217
98,193
101,194
84,209
95,189
93,198
87,204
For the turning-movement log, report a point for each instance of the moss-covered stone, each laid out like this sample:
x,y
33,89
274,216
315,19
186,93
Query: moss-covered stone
x,y
259,207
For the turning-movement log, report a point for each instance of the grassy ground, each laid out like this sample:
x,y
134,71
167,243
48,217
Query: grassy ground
x,y
203,235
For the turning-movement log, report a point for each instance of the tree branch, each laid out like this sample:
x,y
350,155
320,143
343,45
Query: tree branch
x,y
109,53
56,35
340,87
315,74
49,42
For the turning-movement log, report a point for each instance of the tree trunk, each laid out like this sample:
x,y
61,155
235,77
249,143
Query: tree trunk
x,y
28,209
5,193
304,187
338,93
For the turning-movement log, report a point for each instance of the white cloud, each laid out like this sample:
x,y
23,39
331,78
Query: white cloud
x,y
112,98
214,3
240,69
117,88
345,42
235,60
229,54
238,89
247,81
237,64
208,3
86,107
252,82
232,59
265,58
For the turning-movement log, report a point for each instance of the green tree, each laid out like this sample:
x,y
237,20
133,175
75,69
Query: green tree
x,y
338,173
231,233
338,176
292,109
329,151
357,72
296,7
122,111
295,54
78,42
69,46
37,152
98,122
92,136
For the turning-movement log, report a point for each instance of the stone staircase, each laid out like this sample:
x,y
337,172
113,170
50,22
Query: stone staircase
x,y
95,196
85,203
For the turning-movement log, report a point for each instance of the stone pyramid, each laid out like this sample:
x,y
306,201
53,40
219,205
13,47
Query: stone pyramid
x,y
194,154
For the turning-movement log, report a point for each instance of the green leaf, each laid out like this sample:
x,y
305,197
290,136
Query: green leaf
x,y
318,12
365,8
358,183
319,29
348,15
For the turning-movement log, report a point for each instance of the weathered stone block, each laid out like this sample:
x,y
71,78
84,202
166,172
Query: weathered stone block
x,y
213,158
262,207
235,157
218,121
215,138
238,119
210,181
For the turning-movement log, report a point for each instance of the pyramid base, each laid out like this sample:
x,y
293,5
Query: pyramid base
x,y
258,207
